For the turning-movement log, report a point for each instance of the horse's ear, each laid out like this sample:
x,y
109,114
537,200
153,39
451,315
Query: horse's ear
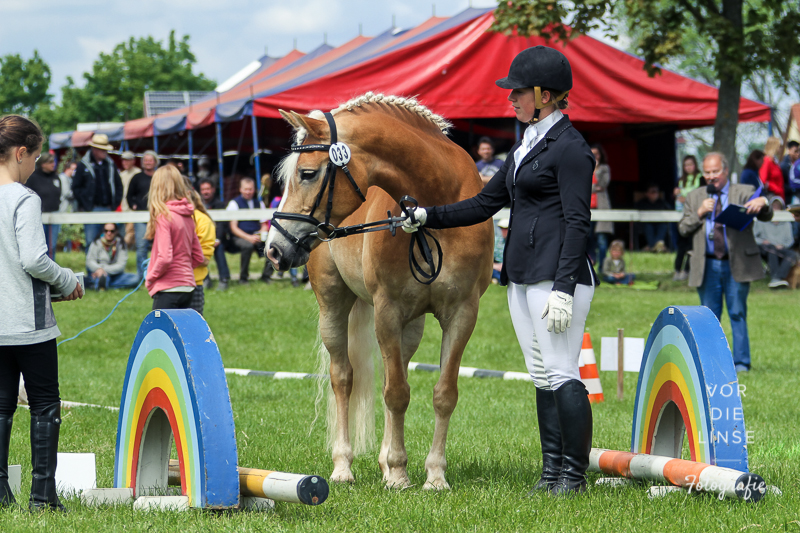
x,y
316,128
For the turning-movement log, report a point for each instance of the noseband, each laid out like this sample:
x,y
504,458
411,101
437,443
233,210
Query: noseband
x,y
339,155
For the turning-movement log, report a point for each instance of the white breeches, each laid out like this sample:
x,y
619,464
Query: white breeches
x,y
552,359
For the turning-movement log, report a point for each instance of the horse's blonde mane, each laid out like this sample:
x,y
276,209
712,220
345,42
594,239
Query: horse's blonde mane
x,y
410,104
288,164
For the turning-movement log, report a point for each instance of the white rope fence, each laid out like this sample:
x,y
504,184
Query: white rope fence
x,y
221,215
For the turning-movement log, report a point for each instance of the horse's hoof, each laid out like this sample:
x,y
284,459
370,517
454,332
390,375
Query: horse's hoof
x,y
397,482
342,477
436,484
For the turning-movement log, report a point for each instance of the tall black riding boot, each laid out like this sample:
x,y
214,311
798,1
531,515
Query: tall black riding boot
x,y
550,437
44,447
575,419
6,496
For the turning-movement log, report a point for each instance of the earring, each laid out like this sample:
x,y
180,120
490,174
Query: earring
x,y
19,161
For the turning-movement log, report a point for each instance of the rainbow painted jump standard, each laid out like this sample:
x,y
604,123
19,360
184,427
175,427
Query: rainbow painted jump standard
x,y
175,388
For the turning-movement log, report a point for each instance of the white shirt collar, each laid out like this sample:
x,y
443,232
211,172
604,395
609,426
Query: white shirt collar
x,y
538,130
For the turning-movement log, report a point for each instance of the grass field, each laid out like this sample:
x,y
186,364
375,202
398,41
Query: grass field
x,y
493,449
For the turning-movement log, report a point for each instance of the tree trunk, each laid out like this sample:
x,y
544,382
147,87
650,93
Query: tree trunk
x,y
730,56
730,89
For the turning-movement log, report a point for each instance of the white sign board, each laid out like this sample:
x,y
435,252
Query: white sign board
x,y
75,472
634,350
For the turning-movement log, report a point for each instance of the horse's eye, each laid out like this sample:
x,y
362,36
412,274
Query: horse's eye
x,y
307,174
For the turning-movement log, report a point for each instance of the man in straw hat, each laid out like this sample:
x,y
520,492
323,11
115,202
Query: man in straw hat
x,y
96,184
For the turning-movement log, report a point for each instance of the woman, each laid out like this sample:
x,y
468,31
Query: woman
x,y
690,179
45,182
207,235
750,172
28,329
770,173
549,276
176,248
600,180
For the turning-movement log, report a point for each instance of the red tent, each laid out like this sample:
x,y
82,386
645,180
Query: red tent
x,y
454,72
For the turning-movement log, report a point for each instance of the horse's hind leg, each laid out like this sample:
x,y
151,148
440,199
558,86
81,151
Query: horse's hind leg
x,y
457,326
333,327
412,335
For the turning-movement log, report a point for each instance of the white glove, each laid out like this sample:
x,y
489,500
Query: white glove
x,y
558,311
421,217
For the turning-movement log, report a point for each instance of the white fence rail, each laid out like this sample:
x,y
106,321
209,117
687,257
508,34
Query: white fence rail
x,y
221,215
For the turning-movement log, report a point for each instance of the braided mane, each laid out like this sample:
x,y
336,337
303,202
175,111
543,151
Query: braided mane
x,y
410,104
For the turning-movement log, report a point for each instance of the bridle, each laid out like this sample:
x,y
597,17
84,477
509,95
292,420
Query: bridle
x,y
339,155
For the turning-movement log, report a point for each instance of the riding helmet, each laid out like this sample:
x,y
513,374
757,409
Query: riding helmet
x,y
539,66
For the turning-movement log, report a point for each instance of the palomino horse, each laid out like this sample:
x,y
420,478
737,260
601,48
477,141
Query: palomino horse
x,y
363,283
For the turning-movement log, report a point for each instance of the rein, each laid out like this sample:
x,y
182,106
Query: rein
x,y
339,154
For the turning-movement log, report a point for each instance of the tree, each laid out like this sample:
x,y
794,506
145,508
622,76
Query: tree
x,y
23,84
763,35
114,89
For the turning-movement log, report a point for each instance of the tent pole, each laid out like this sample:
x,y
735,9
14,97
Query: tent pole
x,y
155,143
219,159
191,154
256,157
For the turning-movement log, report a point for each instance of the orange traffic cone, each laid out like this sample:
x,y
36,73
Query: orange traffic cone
x,y
588,368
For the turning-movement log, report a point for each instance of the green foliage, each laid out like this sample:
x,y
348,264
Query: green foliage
x,y
743,38
722,41
114,89
23,84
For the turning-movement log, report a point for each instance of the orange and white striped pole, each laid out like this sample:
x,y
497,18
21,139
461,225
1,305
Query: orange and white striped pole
x,y
690,475
588,368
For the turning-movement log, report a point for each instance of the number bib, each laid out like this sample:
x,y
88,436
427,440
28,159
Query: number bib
x,y
339,154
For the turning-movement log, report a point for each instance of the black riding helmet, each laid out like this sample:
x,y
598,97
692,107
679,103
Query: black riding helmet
x,y
539,67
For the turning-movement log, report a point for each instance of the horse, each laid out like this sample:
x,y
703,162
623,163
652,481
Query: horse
x,y
363,283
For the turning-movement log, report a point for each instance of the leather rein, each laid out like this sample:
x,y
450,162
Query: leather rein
x,y
339,154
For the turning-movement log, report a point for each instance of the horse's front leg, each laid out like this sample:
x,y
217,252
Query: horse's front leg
x,y
412,335
333,322
457,323
396,392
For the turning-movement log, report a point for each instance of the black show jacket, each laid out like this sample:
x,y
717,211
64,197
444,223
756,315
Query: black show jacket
x,y
550,217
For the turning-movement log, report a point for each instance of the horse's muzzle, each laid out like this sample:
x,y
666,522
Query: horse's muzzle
x,y
284,256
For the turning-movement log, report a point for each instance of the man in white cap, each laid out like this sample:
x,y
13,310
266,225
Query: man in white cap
x,y
129,170
96,184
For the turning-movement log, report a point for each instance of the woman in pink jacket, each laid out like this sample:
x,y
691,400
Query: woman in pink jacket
x,y
176,249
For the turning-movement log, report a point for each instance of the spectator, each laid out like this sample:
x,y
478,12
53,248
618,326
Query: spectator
x,y
138,189
208,192
775,241
770,173
246,237
690,180
722,263
96,184
28,330
106,260
67,200
176,248
614,266
499,246
654,232
488,164
129,170
601,231
791,157
750,172
45,182
207,235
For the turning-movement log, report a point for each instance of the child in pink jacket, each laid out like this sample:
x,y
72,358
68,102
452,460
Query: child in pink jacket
x,y
176,248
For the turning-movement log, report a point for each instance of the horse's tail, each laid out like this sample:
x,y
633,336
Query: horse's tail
x,y
362,350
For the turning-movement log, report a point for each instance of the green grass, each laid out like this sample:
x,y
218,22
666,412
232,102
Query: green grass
x,y
493,450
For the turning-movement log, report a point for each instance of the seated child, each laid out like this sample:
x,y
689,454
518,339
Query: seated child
x,y
614,265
